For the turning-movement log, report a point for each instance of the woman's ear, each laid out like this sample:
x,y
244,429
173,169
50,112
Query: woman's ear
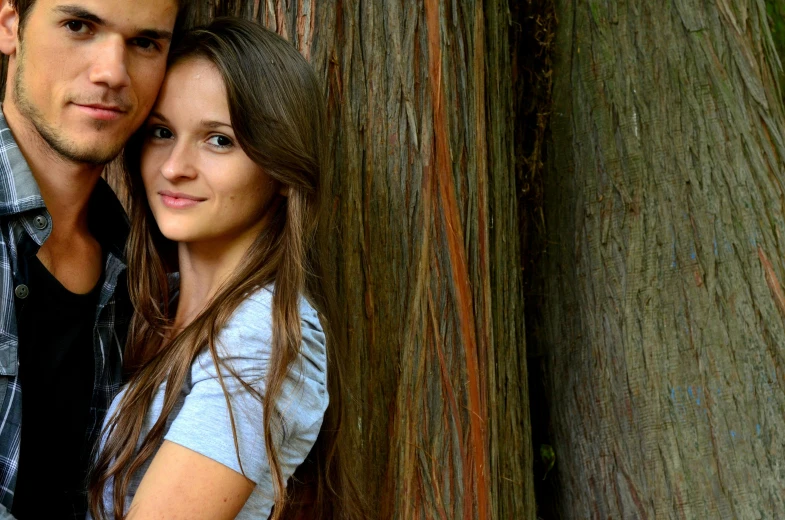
x,y
9,28
283,190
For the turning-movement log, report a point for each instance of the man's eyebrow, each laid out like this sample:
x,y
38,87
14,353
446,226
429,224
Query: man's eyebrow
x,y
76,11
79,12
155,34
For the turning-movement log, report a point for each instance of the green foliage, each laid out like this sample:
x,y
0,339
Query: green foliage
x,y
548,458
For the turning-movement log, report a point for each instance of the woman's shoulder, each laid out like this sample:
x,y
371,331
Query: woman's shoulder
x,y
254,314
248,333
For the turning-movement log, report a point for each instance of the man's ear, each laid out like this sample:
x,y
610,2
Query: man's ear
x,y
9,28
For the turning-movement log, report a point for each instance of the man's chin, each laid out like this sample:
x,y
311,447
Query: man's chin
x,y
96,156
89,154
98,150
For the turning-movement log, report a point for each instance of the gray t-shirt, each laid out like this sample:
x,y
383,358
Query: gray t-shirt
x,y
200,420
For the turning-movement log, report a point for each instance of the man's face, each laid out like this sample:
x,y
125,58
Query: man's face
x,y
86,72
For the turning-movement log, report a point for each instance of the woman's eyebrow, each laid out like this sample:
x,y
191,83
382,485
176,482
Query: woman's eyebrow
x,y
157,115
214,124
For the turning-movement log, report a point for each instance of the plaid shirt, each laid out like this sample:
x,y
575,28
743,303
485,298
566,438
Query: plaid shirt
x,y
24,225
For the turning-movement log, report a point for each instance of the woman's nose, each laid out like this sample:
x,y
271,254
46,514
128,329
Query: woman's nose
x,y
178,164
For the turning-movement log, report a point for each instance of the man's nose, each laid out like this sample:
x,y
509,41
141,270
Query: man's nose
x,y
109,66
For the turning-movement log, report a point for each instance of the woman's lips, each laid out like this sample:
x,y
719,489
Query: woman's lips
x,y
179,200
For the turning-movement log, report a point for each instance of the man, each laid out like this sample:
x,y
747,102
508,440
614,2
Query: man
x,y
82,76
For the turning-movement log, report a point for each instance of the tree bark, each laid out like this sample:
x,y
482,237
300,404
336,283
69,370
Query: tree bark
x,y
422,223
664,308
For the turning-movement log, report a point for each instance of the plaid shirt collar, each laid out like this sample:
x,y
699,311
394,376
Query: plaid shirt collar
x,y
21,212
19,193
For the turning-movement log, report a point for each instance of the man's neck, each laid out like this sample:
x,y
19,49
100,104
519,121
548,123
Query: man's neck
x,y
65,185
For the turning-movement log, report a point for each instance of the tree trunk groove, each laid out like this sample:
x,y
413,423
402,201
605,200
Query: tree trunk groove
x,y
664,310
422,222
776,11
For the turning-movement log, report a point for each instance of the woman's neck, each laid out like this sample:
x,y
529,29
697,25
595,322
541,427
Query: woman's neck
x,y
204,269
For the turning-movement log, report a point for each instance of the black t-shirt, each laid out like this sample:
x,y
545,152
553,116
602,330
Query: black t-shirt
x,y
56,371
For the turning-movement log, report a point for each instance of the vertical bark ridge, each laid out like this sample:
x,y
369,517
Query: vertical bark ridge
x,y
453,232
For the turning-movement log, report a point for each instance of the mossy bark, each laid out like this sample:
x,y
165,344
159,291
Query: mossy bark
x,y
664,309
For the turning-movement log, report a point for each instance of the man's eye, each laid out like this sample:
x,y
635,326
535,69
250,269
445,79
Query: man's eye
x,y
144,43
77,26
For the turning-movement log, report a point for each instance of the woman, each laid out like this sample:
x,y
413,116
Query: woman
x,y
227,360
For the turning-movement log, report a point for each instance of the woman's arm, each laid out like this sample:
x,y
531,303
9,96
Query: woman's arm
x,y
200,470
183,484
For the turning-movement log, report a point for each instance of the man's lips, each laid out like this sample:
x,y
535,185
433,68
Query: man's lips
x,y
101,111
176,200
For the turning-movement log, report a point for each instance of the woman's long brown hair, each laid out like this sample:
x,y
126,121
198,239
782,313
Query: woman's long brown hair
x,y
277,113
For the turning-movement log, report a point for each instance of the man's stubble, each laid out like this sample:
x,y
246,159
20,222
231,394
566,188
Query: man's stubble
x,y
58,143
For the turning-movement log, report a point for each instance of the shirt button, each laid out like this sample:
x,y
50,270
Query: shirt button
x,y
22,291
40,222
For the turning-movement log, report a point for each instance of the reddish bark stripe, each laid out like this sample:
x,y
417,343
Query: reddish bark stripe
x,y
459,271
771,279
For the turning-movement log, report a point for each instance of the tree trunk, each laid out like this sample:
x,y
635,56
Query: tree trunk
x,y
664,311
422,224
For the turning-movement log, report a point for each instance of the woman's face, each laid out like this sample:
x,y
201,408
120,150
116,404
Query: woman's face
x,y
201,186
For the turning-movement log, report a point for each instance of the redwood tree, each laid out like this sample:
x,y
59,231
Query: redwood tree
x,y
664,310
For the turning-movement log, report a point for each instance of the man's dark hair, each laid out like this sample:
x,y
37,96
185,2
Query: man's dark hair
x,y
23,9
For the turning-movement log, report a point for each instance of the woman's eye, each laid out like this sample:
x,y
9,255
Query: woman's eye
x,y
220,141
160,132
